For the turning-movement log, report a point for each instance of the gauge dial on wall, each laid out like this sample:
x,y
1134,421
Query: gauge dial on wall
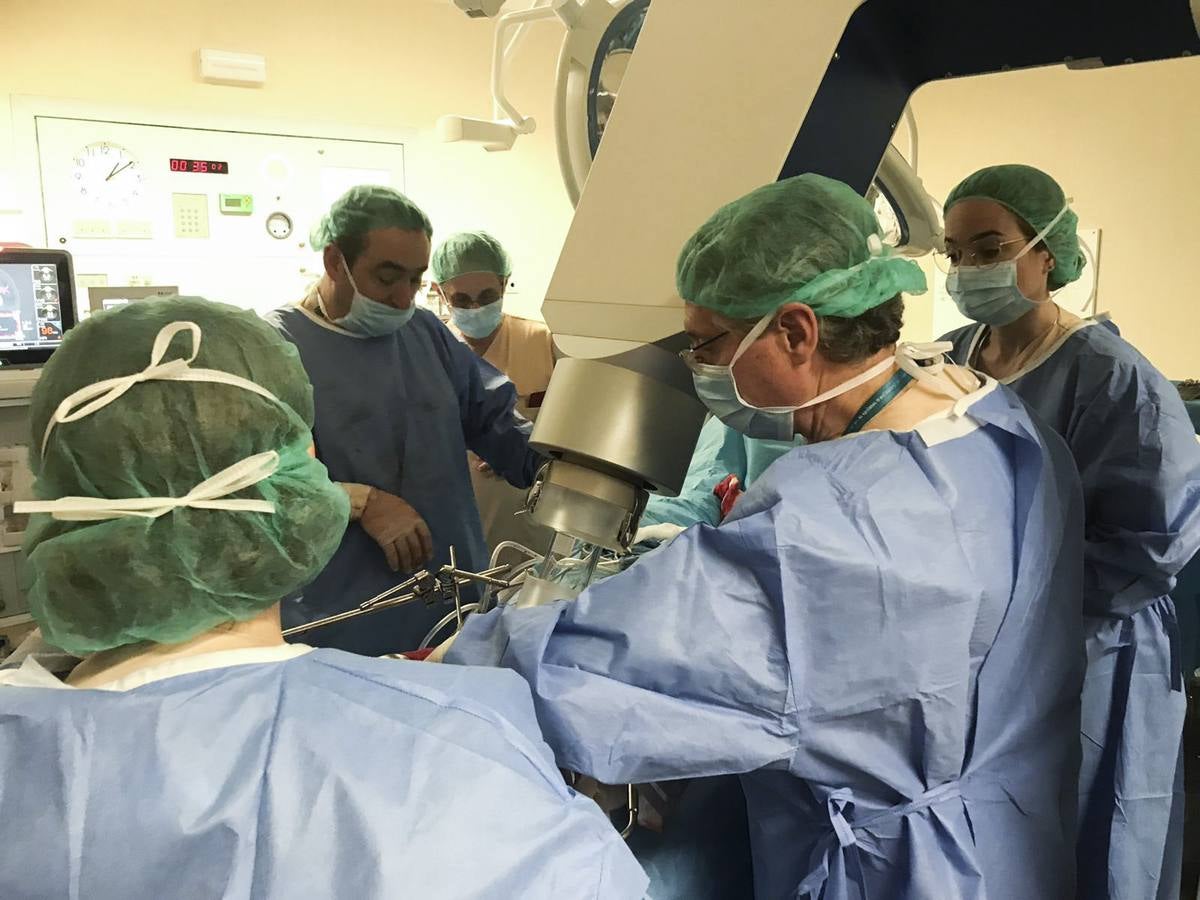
x,y
108,178
279,225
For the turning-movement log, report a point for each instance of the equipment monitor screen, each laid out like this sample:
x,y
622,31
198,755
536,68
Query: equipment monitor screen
x,y
37,303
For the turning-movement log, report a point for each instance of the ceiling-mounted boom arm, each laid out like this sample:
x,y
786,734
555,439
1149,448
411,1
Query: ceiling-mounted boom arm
x,y
507,124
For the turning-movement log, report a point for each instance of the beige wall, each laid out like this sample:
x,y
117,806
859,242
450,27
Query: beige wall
x,y
1125,143
371,63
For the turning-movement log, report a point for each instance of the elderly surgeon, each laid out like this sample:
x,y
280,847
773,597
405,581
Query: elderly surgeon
x,y
470,272
192,752
1011,241
399,402
883,639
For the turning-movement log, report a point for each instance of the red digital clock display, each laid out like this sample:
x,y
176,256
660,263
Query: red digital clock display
x,y
208,166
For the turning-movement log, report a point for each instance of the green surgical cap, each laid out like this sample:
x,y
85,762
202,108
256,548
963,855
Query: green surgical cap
x,y
469,251
1035,197
102,584
806,239
366,208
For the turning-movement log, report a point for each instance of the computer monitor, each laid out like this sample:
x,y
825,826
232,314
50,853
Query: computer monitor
x,y
37,304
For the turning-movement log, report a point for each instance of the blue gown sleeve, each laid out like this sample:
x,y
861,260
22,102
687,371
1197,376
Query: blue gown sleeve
x,y
720,451
492,427
1193,411
1139,464
648,675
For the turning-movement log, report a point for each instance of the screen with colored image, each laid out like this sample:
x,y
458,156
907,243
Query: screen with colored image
x,y
30,306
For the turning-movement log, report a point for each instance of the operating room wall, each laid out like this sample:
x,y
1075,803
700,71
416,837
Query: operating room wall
x,y
1124,142
365,63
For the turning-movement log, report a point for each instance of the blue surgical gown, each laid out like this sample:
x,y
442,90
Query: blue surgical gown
x,y
1186,598
1186,595
399,413
720,452
703,853
884,639
328,775
1140,467
1193,411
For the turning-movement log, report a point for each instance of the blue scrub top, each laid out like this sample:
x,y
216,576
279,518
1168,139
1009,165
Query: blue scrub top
x,y
1139,464
720,452
399,413
1187,590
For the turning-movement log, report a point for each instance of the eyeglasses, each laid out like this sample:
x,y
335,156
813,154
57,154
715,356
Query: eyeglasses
x,y
985,253
689,355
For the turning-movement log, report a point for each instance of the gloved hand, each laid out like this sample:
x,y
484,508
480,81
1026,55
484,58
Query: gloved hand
x,y
728,492
438,654
483,468
399,531
663,533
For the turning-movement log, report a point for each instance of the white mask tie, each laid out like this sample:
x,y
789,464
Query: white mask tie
x,y
209,494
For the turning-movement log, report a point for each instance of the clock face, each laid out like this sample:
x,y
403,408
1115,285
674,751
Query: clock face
x,y
107,177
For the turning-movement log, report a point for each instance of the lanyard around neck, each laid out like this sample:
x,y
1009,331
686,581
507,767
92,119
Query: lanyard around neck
x,y
878,401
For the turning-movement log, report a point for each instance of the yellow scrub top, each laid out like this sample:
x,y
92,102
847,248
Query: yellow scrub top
x,y
524,351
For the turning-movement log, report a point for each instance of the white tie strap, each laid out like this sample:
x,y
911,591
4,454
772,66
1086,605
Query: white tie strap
x,y
910,355
209,494
213,493
98,395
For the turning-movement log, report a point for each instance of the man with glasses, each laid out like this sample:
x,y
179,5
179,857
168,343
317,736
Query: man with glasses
x,y
883,639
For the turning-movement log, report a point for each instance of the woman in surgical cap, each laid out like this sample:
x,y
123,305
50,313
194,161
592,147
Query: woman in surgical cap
x,y
192,752
882,637
471,271
1011,242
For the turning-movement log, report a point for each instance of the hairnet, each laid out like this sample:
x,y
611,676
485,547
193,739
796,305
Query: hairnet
x,y
102,584
1036,198
807,239
365,208
469,251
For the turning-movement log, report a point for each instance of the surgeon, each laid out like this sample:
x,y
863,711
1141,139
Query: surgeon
x,y
720,452
470,271
192,752
884,636
1011,242
399,402
703,851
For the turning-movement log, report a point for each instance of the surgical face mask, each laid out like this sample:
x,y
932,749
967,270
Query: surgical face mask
x,y
368,317
717,389
478,323
990,294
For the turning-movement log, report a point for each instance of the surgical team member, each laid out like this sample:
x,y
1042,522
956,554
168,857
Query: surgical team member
x,y
1011,240
703,851
192,753
1186,595
470,271
399,402
884,638
721,451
